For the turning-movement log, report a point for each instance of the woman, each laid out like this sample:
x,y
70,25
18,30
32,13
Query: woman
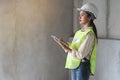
x,y
81,58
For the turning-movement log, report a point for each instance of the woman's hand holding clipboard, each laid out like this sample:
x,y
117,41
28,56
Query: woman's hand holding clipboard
x,y
64,45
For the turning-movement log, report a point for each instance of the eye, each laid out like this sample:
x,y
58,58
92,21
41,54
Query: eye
x,y
81,15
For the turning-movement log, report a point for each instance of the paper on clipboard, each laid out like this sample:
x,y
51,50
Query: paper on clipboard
x,y
54,37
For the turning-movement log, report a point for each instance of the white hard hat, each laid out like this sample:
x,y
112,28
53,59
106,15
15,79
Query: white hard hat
x,y
90,7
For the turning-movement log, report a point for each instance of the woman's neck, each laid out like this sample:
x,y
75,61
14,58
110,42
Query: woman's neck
x,y
85,27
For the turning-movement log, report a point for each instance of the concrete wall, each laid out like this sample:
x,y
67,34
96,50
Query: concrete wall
x,y
114,22
28,53
108,60
26,50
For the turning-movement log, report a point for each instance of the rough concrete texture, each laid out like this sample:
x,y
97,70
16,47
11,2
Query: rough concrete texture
x,y
114,22
28,53
26,50
108,60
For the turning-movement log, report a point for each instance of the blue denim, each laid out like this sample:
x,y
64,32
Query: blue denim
x,y
82,72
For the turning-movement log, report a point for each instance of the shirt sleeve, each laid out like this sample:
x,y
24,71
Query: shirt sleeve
x,y
85,48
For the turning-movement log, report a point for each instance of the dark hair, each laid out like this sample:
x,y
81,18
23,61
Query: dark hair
x,y
92,23
94,27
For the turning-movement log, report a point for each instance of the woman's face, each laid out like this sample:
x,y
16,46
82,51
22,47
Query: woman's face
x,y
83,18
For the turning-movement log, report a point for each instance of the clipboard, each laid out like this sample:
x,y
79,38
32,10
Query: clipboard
x,y
61,42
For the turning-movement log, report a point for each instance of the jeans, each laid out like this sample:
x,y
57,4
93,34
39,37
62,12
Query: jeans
x,y
82,72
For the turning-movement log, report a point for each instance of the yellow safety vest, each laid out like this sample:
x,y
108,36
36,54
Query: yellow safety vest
x,y
73,62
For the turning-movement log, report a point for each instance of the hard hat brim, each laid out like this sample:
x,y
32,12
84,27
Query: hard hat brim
x,y
78,9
